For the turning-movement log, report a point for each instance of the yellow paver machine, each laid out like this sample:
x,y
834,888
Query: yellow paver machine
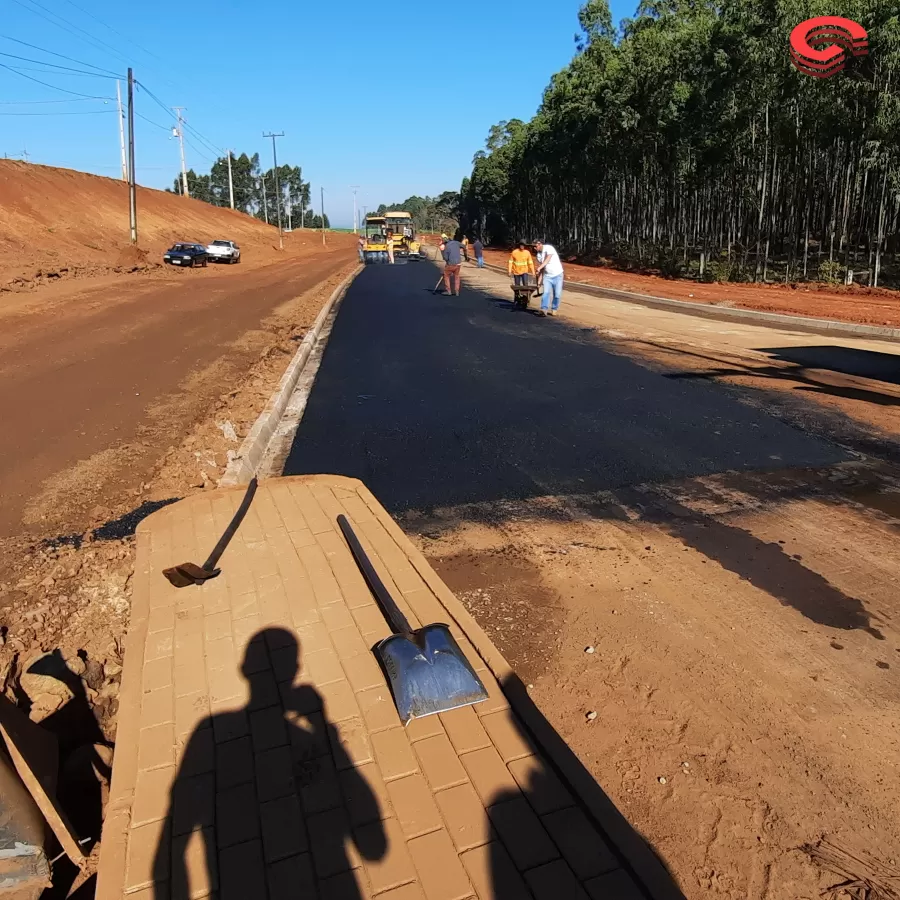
x,y
376,250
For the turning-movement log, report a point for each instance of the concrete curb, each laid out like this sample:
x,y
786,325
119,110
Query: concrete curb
x,y
730,314
253,450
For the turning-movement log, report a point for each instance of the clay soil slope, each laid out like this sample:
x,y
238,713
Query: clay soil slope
x,y
58,219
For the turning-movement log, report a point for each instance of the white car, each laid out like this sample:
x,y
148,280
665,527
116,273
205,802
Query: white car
x,y
224,251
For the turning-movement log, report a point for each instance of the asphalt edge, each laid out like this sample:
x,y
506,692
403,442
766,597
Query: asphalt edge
x,y
245,464
802,324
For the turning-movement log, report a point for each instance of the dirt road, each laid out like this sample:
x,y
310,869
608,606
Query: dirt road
x,y
96,382
682,534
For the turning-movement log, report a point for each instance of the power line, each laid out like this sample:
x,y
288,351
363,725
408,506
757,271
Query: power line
x,y
59,56
113,30
93,112
96,42
52,86
74,73
198,152
66,69
164,127
208,144
33,102
190,128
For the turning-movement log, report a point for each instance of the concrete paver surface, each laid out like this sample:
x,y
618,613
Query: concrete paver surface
x,y
260,754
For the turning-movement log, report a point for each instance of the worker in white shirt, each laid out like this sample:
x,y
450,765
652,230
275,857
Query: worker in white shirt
x,y
550,266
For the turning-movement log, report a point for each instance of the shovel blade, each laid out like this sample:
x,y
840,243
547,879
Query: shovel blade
x,y
428,673
189,573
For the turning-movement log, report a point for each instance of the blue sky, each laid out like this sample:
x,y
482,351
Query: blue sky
x,y
314,71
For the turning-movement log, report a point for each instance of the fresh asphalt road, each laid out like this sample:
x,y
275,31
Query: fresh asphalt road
x,y
437,401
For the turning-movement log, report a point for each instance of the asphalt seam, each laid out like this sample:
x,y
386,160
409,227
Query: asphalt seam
x,y
249,458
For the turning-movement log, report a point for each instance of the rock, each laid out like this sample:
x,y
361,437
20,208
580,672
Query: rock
x,y
227,429
44,705
111,669
591,716
662,780
43,675
110,690
685,765
48,582
589,650
94,674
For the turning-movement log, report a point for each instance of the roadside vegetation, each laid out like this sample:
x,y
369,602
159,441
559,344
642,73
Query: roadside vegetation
x,y
685,142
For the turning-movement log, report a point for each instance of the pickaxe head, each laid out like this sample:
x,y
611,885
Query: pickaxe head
x,y
189,573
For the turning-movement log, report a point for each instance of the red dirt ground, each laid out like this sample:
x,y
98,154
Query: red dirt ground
x,y
857,304
63,223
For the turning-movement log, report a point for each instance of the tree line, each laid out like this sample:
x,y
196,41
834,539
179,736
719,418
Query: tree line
x,y
684,140
428,213
254,191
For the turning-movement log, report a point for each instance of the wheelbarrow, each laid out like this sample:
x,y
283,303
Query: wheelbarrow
x,y
522,293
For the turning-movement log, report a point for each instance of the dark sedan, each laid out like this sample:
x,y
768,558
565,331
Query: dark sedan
x,y
186,255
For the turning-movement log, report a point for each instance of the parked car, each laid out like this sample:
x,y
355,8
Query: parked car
x,y
186,255
224,251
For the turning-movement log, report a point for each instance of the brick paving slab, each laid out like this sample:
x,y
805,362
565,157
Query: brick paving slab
x,y
260,754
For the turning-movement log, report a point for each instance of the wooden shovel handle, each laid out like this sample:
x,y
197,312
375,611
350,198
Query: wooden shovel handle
x,y
395,618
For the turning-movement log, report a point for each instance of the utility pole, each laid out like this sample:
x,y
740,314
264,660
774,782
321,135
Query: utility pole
x,y
355,188
290,211
262,184
121,131
277,186
179,133
323,215
132,192
230,182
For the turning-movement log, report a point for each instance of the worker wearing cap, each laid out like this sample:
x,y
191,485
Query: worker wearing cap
x,y
521,264
550,265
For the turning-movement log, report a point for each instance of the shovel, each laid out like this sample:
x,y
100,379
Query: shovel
x,y
428,672
190,573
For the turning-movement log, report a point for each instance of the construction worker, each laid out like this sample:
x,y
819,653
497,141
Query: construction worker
x,y
521,264
361,246
551,267
390,247
452,254
478,247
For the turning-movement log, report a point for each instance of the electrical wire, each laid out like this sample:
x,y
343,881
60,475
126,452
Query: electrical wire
x,y
73,74
209,145
52,86
198,152
93,112
113,30
58,56
164,127
66,69
35,102
168,110
67,25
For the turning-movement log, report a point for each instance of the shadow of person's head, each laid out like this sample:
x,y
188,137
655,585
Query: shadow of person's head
x,y
279,753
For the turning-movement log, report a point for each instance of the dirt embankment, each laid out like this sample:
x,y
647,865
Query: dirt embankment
x,y
58,224
868,306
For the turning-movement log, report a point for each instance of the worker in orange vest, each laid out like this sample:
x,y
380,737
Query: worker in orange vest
x,y
521,264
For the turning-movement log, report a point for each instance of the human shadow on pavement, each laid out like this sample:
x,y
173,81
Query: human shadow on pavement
x,y
266,800
561,829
